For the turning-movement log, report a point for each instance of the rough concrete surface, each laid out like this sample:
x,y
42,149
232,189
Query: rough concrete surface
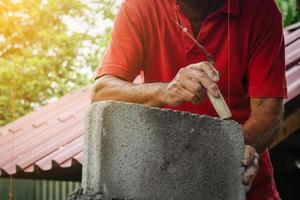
x,y
79,195
137,152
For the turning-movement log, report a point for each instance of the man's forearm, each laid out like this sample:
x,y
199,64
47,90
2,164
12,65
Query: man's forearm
x,y
112,88
264,122
189,85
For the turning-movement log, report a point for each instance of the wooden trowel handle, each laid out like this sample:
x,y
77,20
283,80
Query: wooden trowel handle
x,y
220,106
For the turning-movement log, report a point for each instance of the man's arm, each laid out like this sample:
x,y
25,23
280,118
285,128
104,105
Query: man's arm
x,y
112,88
190,84
266,78
259,131
264,122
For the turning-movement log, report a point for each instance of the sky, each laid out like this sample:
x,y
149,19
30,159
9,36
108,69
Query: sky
x,y
76,24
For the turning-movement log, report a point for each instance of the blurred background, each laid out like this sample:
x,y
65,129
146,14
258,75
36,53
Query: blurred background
x,y
48,50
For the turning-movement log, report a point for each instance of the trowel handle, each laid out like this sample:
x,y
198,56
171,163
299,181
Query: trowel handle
x,y
220,106
219,103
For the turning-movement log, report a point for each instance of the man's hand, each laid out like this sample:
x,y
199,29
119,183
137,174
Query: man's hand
x,y
251,164
191,84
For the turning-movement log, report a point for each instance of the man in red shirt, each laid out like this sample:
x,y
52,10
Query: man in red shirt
x,y
245,39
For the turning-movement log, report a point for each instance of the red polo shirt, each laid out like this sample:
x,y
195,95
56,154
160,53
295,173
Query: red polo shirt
x,y
244,37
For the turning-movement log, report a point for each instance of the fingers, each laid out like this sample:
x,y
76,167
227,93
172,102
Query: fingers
x,y
250,174
191,84
207,75
179,94
195,88
208,69
187,95
251,164
210,86
248,155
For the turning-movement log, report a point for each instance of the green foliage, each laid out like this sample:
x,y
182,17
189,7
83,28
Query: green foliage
x,y
289,11
40,58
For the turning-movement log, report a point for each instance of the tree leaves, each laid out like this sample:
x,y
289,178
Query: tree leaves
x,y
289,11
40,59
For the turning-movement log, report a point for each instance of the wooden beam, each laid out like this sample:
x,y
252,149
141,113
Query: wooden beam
x,y
290,125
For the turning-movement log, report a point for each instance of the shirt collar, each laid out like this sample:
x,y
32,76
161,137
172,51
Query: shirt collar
x,y
231,7
234,6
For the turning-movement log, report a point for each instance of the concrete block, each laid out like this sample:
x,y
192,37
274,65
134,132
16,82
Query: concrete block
x,y
137,152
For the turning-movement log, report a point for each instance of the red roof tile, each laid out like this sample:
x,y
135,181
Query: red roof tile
x,y
52,137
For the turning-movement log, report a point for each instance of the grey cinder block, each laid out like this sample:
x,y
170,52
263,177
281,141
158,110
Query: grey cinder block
x,y
136,152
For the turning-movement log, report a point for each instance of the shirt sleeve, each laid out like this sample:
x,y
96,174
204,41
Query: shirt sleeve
x,y
266,64
124,55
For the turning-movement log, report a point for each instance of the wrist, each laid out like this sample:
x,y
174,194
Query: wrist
x,y
161,94
252,138
258,149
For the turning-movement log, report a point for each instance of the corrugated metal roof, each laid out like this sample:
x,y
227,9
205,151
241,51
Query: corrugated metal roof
x,y
51,138
292,59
